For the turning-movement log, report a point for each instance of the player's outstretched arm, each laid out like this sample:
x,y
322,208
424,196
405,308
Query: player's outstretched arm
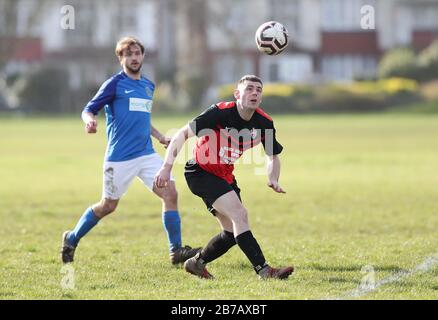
x,y
160,137
177,142
90,122
274,173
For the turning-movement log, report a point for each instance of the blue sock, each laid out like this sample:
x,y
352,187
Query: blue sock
x,y
84,225
172,225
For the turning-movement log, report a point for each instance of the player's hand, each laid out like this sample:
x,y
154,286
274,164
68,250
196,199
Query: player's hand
x,y
276,187
91,126
165,141
162,178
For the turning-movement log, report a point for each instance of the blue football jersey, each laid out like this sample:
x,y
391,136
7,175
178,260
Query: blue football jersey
x,y
128,107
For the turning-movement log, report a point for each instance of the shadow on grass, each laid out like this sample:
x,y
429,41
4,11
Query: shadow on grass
x,y
105,286
66,295
6,295
340,280
352,268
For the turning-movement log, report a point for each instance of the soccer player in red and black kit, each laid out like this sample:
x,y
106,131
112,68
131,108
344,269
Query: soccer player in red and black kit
x,y
225,131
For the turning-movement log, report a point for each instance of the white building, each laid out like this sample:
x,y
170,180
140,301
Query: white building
x,y
327,37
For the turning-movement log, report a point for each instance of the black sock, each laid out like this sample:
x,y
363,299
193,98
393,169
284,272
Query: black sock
x,y
248,244
217,246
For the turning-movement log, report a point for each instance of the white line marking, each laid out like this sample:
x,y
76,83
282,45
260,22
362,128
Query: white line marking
x,y
362,290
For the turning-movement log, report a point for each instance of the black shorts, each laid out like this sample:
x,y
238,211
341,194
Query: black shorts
x,y
206,185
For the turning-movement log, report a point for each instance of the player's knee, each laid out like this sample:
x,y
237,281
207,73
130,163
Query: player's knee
x,y
170,196
107,207
110,208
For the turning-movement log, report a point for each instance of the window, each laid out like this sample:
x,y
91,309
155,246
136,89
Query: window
x,y
425,17
232,24
229,68
273,72
2,18
235,19
230,15
286,68
348,67
127,16
287,13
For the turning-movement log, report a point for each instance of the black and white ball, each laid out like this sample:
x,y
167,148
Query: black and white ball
x,y
271,38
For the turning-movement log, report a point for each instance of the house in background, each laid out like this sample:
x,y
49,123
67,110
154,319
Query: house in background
x,y
213,37
327,40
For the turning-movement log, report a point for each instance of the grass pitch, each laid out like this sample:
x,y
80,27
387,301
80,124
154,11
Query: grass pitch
x,y
361,191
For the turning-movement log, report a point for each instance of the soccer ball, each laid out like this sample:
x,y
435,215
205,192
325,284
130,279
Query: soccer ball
x,y
271,38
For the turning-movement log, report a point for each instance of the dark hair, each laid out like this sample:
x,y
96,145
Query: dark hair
x,y
125,43
250,77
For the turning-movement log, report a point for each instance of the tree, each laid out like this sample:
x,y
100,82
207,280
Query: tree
x,y
44,90
428,62
191,49
9,10
397,63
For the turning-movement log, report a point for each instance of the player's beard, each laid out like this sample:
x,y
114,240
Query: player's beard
x,y
134,71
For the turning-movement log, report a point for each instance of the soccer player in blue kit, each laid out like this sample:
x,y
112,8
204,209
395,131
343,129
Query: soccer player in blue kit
x,y
127,99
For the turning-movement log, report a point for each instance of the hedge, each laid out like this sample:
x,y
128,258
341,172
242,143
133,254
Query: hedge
x,y
358,96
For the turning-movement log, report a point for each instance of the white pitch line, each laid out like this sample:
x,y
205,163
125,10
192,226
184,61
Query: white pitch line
x,y
362,291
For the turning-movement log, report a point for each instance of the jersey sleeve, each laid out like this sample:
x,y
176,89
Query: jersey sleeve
x,y
206,120
270,144
104,96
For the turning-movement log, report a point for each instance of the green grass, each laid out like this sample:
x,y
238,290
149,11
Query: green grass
x,y
361,190
426,107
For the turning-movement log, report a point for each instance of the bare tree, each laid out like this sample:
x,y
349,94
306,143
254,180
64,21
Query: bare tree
x,y
8,12
9,28
191,48
230,18
167,43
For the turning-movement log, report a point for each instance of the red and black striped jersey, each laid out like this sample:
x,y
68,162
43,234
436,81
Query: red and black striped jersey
x,y
224,136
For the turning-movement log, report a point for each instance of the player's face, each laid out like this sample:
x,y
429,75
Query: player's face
x,y
250,94
132,58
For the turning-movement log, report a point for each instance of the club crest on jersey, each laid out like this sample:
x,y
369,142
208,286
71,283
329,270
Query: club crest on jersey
x,y
149,92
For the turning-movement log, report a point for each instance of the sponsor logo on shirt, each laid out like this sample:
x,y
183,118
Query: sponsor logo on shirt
x,y
229,155
141,105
